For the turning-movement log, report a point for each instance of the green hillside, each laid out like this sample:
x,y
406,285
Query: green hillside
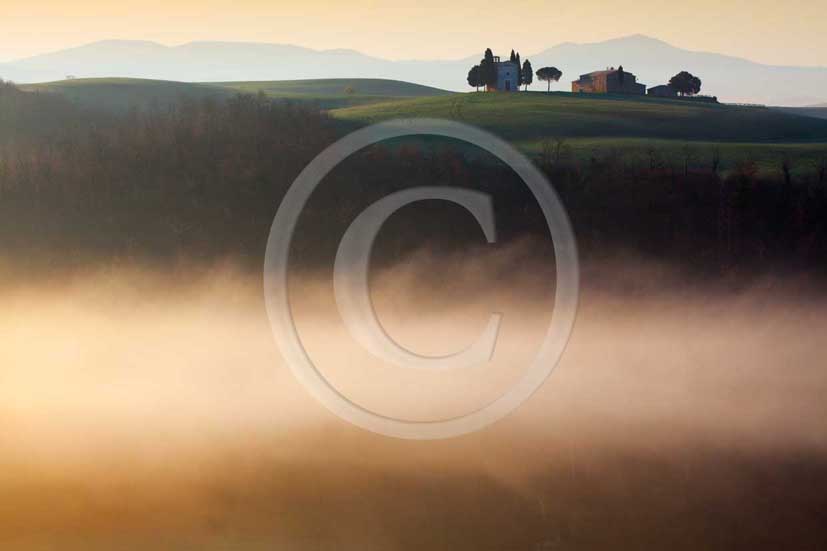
x,y
635,130
118,94
536,115
803,157
337,92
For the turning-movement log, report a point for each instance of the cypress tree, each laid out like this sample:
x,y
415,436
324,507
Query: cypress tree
x,y
519,70
528,73
488,70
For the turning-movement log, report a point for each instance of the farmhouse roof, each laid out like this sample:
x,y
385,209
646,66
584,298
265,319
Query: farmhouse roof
x,y
595,73
606,72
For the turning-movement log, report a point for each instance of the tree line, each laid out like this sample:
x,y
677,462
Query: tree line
x,y
484,75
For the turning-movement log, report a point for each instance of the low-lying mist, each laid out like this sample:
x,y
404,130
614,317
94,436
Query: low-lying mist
x,y
148,410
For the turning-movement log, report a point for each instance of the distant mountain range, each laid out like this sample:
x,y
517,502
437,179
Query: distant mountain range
x,y
653,61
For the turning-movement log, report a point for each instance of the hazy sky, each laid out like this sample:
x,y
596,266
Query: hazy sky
x,y
789,33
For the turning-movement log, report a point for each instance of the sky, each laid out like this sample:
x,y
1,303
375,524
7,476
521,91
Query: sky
x,y
768,31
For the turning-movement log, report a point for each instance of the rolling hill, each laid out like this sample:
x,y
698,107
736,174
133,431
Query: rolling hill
x,y
519,117
535,115
653,61
637,131
118,94
337,92
628,126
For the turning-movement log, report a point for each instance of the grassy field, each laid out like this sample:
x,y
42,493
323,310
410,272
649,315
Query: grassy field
x,y
118,94
535,115
634,129
768,157
338,92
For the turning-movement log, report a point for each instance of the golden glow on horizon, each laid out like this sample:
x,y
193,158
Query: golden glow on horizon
x,y
762,30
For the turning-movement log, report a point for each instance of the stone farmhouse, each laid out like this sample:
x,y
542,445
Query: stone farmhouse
x,y
610,81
